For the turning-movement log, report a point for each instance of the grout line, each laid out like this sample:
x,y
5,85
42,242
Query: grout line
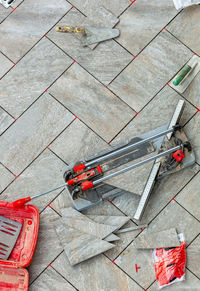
x,y
58,156
76,8
65,278
187,211
192,273
123,270
193,240
79,119
106,86
7,112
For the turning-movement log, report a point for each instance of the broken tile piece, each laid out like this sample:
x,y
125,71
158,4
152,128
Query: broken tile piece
x,y
28,24
79,246
155,240
91,102
75,219
32,76
34,130
111,237
131,228
110,220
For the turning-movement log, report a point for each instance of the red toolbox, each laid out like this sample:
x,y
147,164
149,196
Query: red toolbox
x,y
13,275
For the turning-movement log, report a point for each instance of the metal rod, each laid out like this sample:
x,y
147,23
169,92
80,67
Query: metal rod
x,y
136,165
127,148
44,193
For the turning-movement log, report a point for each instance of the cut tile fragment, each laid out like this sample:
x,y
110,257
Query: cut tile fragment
x,y
141,22
5,178
28,24
189,197
152,69
50,280
106,274
43,174
104,63
32,76
155,240
186,27
6,64
79,140
79,246
5,120
38,126
75,219
91,102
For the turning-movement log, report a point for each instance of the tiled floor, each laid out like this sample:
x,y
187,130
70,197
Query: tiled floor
x,y
60,102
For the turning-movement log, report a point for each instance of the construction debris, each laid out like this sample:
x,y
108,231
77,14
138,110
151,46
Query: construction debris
x,y
153,240
169,264
186,75
79,246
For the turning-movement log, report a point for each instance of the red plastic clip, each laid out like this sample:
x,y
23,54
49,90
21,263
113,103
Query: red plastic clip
x,y
178,155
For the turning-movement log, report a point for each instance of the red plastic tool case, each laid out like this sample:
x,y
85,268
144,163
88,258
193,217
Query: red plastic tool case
x,y
13,276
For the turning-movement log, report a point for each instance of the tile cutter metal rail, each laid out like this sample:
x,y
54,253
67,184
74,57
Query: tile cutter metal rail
x,y
85,180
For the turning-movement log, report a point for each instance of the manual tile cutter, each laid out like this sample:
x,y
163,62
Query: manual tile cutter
x,y
85,180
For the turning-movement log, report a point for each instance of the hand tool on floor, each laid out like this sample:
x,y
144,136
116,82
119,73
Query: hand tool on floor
x,y
9,232
185,76
90,35
85,180
6,3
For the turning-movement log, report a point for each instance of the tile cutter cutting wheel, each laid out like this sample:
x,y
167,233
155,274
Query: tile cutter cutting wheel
x,y
85,180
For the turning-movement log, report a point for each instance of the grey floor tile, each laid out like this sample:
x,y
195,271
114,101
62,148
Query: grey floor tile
x,y
5,120
151,70
96,274
172,216
31,20
5,64
191,283
91,102
163,191
186,27
88,7
79,246
192,130
189,197
43,174
48,245
105,62
51,280
5,178
157,113
77,142
4,12
193,257
32,76
154,240
34,130
140,23
191,93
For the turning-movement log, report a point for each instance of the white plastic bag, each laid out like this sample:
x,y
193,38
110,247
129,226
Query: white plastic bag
x,y
180,4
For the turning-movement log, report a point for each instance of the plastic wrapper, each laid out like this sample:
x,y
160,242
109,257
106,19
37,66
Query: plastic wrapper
x,y
180,4
169,264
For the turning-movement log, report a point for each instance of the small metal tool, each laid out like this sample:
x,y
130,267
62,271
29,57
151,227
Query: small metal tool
x,y
90,35
9,232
